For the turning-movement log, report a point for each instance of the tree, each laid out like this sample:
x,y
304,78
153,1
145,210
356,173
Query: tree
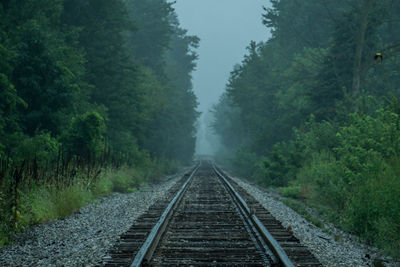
x,y
152,39
174,134
360,43
9,98
85,135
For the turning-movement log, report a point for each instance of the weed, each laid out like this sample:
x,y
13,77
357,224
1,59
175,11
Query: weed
x,y
300,209
41,201
338,237
102,186
70,199
292,191
378,263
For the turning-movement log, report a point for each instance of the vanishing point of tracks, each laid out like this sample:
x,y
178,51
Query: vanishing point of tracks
x,y
206,219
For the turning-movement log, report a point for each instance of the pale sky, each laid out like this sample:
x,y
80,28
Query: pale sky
x,y
225,29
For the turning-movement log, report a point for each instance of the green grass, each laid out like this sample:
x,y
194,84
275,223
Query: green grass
x,y
42,203
39,203
292,191
103,186
300,209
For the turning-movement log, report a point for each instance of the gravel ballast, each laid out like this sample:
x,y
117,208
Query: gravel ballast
x,y
85,237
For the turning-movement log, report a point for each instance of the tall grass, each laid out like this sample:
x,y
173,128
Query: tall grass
x,y
40,201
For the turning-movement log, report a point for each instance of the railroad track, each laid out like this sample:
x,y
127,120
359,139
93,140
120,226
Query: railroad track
x,y
206,219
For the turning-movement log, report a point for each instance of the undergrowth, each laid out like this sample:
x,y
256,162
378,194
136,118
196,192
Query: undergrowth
x,y
300,209
39,202
350,171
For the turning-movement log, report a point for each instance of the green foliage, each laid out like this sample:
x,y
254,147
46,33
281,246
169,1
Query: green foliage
x,y
40,202
63,60
292,191
139,66
279,168
3,219
87,86
351,171
51,201
244,162
42,79
153,22
303,111
103,185
124,179
312,28
358,178
85,136
42,148
322,180
301,209
294,97
70,199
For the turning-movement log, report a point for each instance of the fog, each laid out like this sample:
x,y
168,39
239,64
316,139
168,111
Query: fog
x,y
225,28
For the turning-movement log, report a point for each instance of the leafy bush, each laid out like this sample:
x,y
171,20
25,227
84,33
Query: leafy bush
x,y
71,198
358,178
293,191
280,166
350,172
322,180
159,167
41,202
41,147
284,161
244,162
85,135
368,138
372,211
103,186
123,180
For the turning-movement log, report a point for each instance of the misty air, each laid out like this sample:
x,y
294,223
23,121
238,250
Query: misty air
x,y
199,133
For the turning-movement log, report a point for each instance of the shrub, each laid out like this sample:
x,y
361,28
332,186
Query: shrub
x,y
293,191
52,201
42,204
103,186
42,148
122,180
373,212
322,180
244,162
285,159
279,168
85,135
358,178
71,198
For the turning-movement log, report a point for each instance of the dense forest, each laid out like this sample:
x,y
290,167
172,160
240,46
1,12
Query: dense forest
x,y
314,111
95,96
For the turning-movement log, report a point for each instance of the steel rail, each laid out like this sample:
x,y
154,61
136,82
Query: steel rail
x,y
264,233
148,247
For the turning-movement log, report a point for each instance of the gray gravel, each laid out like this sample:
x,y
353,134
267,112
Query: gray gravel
x,y
83,238
346,252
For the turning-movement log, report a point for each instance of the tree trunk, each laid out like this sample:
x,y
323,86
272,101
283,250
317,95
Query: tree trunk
x,y
366,5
